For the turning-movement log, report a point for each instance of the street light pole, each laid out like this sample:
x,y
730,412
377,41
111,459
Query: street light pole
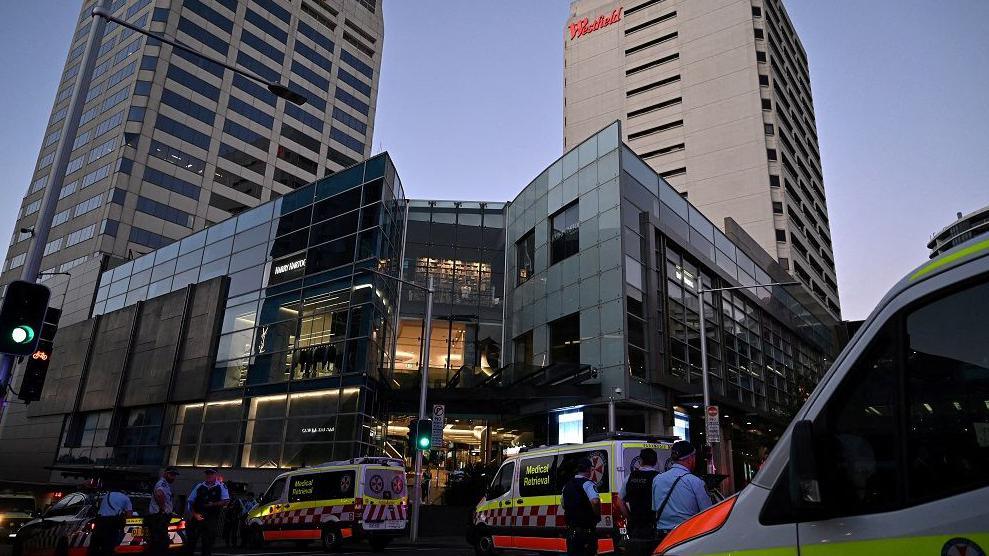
x,y
705,381
49,201
416,489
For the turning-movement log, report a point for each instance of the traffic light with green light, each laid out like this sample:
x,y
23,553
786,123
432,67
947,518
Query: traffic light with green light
x,y
21,316
424,434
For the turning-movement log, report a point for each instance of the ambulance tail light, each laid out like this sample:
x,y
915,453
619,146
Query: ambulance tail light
x,y
616,515
706,522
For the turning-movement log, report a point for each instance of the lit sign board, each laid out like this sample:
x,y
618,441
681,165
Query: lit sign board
x,y
287,267
584,26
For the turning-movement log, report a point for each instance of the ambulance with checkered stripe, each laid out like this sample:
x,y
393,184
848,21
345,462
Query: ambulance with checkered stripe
x,y
889,455
335,502
521,508
66,527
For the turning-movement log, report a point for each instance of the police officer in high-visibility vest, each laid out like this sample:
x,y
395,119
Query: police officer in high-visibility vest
x,y
636,504
582,507
206,503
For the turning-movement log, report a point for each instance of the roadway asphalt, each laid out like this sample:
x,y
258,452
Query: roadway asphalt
x,y
427,547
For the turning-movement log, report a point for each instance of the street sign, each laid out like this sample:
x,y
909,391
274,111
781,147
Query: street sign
x,y
713,428
439,421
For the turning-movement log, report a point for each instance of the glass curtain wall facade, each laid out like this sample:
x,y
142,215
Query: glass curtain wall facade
x,y
461,245
306,335
626,301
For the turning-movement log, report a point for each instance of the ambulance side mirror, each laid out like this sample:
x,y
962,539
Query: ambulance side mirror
x,y
805,489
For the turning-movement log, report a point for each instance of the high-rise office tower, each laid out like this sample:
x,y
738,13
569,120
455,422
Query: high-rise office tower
x,y
715,96
168,143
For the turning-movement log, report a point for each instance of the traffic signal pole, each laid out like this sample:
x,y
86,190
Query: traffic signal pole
x,y
43,224
416,490
423,384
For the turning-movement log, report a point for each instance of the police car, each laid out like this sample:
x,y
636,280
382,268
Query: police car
x,y
334,502
65,528
15,511
890,453
521,508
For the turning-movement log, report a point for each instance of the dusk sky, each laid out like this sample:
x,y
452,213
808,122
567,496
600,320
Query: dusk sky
x,y
471,106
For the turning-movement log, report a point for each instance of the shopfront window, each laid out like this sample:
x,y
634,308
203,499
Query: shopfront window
x,y
525,254
85,439
564,234
564,339
138,443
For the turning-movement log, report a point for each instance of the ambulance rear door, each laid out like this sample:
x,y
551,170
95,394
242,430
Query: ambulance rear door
x,y
383,495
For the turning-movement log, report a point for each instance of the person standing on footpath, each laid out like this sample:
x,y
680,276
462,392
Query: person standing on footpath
x,y
160,513
678,494
206,503
636,504
582,507
108,525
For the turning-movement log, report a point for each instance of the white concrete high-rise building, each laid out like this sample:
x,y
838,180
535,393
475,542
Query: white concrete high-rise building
x,y
715,95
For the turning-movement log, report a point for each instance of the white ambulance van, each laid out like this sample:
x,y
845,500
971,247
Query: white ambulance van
x,y
362,498
521,508
890,453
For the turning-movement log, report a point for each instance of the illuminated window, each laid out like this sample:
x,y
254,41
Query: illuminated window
x,y
525,251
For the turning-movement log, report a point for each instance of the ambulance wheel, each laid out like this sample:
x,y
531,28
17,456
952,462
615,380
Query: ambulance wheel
x,y
484,545
378,544
255,537
331,539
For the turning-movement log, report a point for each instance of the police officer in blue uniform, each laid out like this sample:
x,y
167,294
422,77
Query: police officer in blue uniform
x,y
205,504
582,507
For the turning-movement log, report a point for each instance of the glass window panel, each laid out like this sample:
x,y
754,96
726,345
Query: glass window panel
x,y
184,279
195,241
246,280
250,257
185,262
219,249
213,269
220,231
250,238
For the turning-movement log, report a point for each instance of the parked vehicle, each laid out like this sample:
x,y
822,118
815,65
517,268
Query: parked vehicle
x,y
65,528
521,508
15,511
361,498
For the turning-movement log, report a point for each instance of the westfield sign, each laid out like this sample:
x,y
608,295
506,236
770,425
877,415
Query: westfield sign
x,y
585,26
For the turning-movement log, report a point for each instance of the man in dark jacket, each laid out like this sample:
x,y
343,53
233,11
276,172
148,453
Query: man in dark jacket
x,y
206,503
636,504
582,508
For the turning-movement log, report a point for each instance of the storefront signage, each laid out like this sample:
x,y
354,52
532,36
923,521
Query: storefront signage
x,y
287,267
585,26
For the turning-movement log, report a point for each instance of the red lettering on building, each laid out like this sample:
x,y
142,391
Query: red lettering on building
x,y
585,26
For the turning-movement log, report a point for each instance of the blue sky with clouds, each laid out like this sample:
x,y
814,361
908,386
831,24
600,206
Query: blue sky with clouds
x,y
471,106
